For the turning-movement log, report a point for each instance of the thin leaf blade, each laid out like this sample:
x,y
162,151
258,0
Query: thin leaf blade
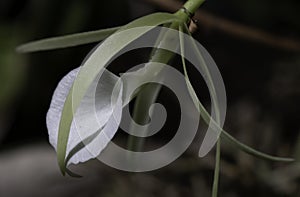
x,y
66,41
225,135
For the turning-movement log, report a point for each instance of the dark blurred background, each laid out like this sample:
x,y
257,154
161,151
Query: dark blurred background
x,y
256,45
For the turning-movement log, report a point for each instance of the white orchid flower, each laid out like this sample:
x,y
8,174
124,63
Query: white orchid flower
x,y
84,123
98,117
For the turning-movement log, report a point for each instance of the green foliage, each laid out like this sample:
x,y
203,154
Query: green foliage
x,y
101,57
67,41
207,118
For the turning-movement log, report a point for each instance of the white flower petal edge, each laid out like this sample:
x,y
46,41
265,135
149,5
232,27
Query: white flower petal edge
x,y
99,113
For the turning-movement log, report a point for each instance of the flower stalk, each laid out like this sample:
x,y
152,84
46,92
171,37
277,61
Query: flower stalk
x,y
148,95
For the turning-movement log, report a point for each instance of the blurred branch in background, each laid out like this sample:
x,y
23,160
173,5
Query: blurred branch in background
x,y
211,21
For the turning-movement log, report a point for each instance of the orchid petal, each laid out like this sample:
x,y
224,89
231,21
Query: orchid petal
x,y
99,111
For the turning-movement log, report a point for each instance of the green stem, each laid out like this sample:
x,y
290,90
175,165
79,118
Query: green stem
x,y
217,170
193,5
145,98
150,93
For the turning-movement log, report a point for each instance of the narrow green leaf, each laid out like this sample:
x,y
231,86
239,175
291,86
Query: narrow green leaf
x,y
196,100
93,65
66,41
207,118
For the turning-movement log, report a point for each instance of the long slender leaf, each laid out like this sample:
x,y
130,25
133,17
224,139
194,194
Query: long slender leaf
x,y
93,65
225,135
66,41
195,100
